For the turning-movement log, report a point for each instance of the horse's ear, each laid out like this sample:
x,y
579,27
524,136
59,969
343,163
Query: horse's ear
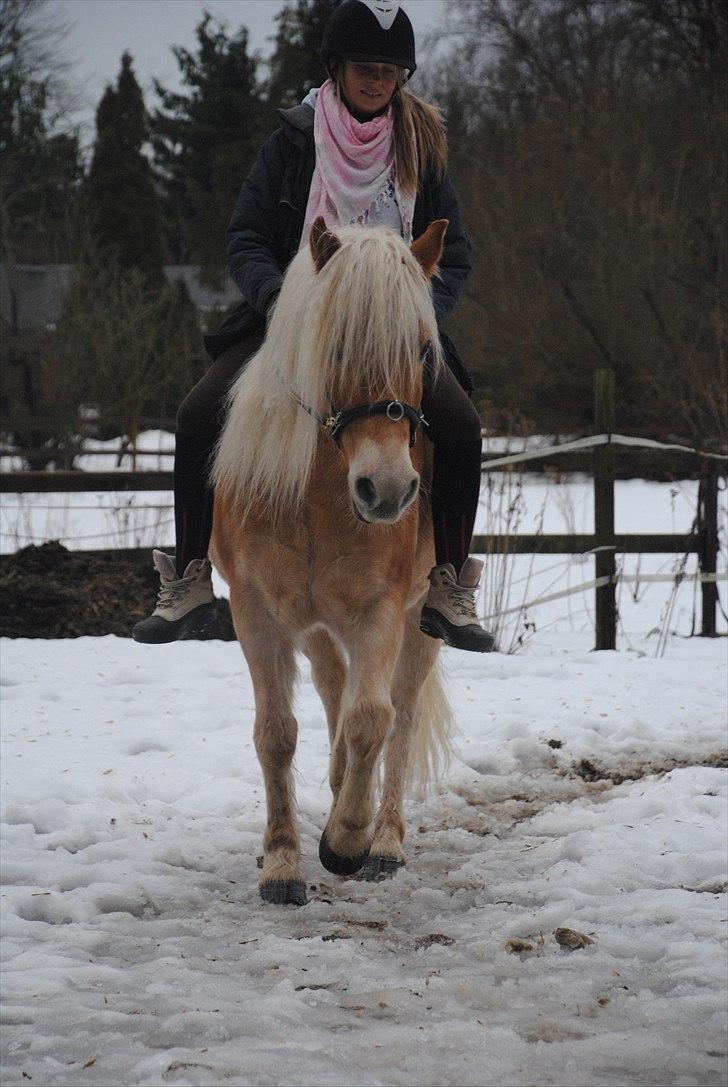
x,y
323,243
428,247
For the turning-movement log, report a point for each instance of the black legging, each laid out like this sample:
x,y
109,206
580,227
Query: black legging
x,y
454,428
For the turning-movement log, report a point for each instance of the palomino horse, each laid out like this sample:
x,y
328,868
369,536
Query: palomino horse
x,y
326,546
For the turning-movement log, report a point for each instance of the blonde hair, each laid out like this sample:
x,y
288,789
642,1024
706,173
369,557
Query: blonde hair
x,y
411,116
326,336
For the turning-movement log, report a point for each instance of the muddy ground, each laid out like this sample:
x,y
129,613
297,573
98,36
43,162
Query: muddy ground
x,y
50,592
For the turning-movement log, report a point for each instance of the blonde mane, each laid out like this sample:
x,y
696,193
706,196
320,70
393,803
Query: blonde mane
x,y
359,323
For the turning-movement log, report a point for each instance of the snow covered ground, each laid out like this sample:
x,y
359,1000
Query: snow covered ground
x,y
137,951
587,793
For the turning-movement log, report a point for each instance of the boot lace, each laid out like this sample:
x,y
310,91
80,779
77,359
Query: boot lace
x,y
462,601
172,593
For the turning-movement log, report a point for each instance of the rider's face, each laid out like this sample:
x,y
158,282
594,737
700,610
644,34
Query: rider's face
x,y
369,87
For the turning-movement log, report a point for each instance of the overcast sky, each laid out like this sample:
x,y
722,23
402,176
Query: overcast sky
x,y
100,31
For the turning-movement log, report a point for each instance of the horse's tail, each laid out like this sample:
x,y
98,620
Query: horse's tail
x,y
431,745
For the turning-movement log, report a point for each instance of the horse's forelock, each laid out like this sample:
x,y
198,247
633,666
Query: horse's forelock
x,y
375,308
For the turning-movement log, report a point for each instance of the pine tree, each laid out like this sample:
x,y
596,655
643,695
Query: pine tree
x,y
205,141
121,202
296,65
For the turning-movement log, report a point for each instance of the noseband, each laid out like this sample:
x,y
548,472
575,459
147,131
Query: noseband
x,y
336,422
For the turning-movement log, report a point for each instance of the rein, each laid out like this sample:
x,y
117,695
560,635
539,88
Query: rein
x,y
336,421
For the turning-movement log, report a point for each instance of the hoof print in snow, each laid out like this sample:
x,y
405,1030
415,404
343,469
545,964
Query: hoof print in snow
x,y
376,869
571,939
284,892
340,866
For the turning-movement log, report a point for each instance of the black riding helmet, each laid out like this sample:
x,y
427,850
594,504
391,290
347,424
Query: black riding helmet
x,y
370,30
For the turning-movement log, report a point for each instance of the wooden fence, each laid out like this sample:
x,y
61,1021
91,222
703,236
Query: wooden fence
x,y
604,542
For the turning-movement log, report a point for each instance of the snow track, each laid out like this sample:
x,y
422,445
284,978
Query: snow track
x,y
137,950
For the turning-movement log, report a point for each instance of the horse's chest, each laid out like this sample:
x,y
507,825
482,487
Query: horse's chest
x,y
309,577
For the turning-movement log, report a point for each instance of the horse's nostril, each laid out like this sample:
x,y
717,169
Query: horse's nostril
x,y
411,492
365,490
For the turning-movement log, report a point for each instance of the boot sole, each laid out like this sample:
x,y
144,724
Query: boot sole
x,y
157,631
474,640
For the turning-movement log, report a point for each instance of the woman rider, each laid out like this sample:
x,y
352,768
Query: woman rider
x,y
360,149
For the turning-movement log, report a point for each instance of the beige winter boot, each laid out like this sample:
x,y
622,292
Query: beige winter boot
x,y
186,604
449,611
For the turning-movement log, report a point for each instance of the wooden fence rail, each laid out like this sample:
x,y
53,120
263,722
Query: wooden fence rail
x,y
66,482
604,543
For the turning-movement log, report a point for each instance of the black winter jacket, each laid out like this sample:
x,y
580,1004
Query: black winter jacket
x,y
265,232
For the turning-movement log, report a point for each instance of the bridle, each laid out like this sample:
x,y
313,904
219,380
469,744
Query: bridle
x,y
336,422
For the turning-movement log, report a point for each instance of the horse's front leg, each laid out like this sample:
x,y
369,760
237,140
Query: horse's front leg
x,y
366,718
270,658
418,701
328,671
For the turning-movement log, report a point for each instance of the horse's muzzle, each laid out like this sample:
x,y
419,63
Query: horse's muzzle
x,y
382,502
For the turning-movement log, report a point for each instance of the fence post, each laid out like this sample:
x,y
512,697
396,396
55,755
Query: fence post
x,y
708,556
606,613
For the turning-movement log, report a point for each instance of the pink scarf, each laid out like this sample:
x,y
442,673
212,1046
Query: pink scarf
x,y
354,165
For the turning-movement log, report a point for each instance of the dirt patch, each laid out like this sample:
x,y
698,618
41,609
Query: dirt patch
x,y
434,938
50,592
589,771
376,926
516,946
571,939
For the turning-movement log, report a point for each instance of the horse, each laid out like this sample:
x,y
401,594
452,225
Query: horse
x,y
322,531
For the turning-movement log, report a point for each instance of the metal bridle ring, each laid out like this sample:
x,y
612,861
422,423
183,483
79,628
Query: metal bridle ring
x,y
395,406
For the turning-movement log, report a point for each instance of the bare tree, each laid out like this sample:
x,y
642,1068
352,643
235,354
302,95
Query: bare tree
x,y
40,156
127,353
592,177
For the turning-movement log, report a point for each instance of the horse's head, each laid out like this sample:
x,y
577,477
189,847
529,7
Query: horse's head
x,y
382,351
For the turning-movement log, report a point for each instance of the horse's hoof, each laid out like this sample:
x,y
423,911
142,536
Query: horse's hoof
x,y
284,892
340,866
379,868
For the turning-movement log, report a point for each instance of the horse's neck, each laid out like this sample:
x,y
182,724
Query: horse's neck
x,y
328,485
